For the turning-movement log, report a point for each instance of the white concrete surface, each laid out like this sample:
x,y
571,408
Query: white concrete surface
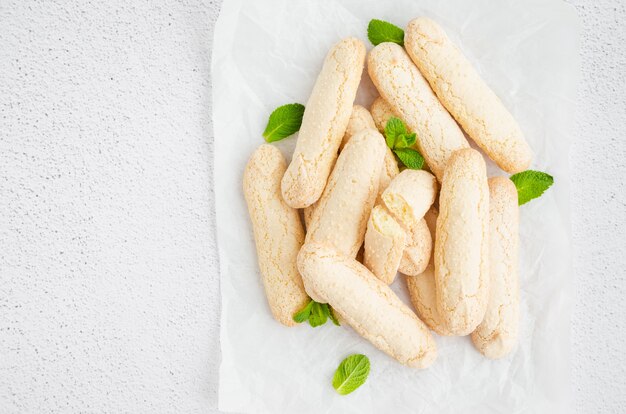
x,y
109,295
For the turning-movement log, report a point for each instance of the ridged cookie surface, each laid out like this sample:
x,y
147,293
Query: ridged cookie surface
x,y
497,334
466,96
326,117
341,215
462,243
278,233
368,305
400,83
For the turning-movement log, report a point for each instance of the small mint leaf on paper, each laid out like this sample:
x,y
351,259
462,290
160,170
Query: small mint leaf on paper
x,y
393,130
531,184
283,122
410,158
351,373
303,315
318,315
380,31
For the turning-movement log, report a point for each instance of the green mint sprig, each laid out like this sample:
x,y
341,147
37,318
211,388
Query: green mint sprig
x,y
351,373
283,122
316,313
531,184
400,141
380,31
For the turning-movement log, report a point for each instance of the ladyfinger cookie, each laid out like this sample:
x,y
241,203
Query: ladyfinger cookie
x,y
417,251
400,83
409,196
278,233
384,245
381,113
340,217
324,123
466,96
462,243
367,304
360,120
497,334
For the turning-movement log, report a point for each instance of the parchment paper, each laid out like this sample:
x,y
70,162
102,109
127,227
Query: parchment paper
x,y
268,53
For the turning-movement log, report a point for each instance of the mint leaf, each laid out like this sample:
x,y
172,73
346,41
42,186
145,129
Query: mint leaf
x,y
351,373
410,158
531,184
333,317
318,315
394,129
284,121
405,141
380,31
303,315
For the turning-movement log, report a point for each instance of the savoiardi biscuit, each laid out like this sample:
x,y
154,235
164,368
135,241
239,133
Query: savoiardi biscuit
x,y
278,233
367,304
360,120
497,333
340,217
461,256
409,196
466,96
326,117
400,83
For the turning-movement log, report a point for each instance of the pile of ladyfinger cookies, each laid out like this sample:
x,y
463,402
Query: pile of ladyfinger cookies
x,y
449,230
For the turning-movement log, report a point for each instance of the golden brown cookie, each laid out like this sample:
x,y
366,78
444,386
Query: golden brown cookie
x,y
462,243
466,96
497,333
325,120
367,304
278,233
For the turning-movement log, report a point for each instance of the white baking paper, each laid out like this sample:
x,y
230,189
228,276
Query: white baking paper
x,y
268,53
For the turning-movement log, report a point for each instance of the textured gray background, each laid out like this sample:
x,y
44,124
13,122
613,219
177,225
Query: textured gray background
x,y
109,296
